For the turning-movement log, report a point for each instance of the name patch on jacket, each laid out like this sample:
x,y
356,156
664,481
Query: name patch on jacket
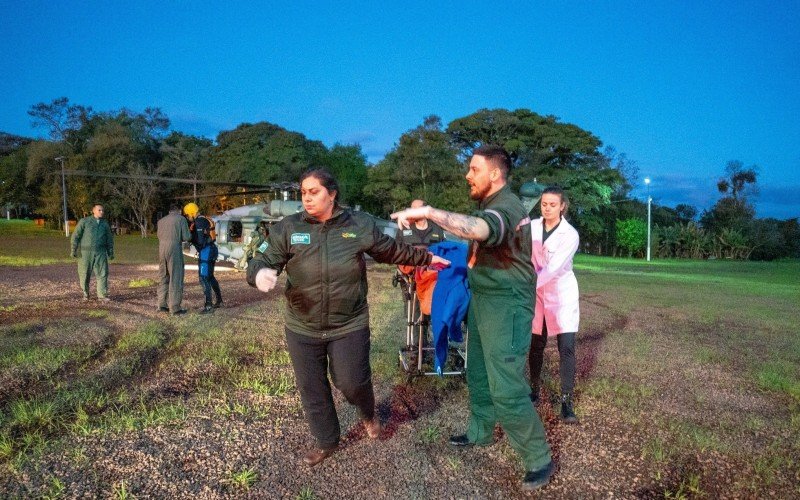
x,y
348,235
301,239
407,232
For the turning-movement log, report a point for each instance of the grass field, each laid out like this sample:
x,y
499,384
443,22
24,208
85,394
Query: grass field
x,y
688,383
25,244
708,362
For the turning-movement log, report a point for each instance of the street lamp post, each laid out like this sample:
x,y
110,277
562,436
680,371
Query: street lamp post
x,y
64,195
649,203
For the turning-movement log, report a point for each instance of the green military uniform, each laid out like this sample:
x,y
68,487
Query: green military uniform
x,y
96,243
502,281
173,230
257,238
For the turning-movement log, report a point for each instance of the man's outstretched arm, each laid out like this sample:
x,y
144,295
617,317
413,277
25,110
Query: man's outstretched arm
x,y
463,226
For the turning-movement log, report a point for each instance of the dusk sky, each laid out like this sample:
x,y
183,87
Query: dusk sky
x,y
680,87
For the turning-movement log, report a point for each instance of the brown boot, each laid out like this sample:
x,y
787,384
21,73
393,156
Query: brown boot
x,y
317,455
373,427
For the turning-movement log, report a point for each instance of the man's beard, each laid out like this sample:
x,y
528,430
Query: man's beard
x,y
478,194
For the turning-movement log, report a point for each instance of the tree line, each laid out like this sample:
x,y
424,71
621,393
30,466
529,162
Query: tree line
x,y
428,162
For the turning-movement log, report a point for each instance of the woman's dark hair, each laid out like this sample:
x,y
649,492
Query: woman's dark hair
x,y
561,194
325,178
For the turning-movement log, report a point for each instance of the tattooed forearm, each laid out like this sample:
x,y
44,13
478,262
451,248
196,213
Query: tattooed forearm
x,y
463,226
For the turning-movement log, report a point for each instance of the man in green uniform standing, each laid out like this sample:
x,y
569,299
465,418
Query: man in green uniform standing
x,y
502,282
173,230
96,243
256,244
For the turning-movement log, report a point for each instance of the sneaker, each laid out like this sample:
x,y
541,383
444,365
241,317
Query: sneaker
x,y
218,304
535,479
207,309
179,312
163,309
567,413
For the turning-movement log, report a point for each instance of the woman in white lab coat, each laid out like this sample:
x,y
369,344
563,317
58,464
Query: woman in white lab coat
x,y
557,312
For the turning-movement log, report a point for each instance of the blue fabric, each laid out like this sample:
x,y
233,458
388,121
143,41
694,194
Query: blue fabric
x,y
450,299
208,257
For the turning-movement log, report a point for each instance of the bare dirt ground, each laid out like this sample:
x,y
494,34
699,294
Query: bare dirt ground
x,y
602,457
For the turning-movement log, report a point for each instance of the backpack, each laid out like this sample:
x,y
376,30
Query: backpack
x,y
212,233
207,236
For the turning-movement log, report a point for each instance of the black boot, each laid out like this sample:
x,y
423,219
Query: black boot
x,y
535,479
535,399
567,414
217,303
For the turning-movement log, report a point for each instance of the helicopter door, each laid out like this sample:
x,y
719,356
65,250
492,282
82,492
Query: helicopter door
x,y
234,231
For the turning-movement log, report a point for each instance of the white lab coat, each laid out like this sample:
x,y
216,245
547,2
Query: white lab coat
x,y
556,286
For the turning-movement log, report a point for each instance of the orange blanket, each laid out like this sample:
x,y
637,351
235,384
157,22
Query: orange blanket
x,y
426,280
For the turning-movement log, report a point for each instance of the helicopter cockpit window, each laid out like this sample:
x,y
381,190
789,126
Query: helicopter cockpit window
x,y
234,231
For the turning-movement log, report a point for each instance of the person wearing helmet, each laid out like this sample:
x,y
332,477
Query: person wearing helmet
x,y
203,239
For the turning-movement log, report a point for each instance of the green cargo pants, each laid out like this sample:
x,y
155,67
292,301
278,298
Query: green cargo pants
x,y
499,340
93,263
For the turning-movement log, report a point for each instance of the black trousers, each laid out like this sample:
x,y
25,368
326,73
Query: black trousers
x,y
566,363
347,360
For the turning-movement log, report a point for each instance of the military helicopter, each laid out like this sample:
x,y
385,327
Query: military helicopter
x,y
235,227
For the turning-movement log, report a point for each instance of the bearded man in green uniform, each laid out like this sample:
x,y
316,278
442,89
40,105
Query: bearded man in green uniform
x,y
95,240
502,281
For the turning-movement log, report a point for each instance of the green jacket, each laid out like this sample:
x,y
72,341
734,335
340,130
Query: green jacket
x,y
503,262
326,284
93,235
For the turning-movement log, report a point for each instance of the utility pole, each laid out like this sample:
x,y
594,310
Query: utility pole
x,y
649,203
64,195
